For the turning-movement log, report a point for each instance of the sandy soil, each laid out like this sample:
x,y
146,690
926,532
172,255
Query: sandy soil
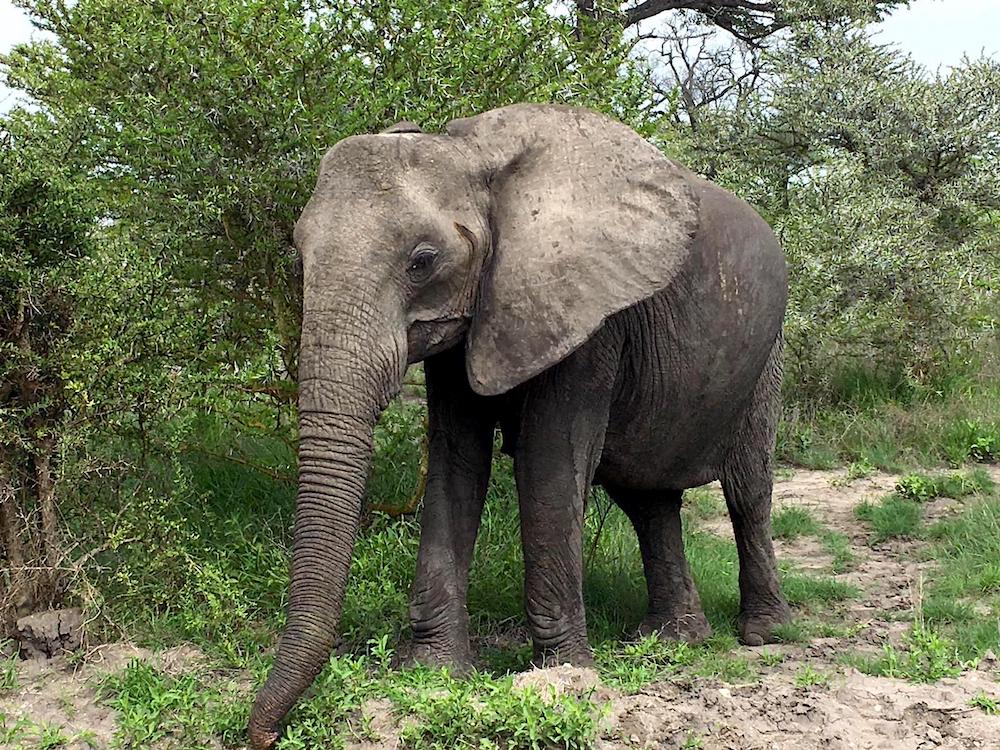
x,y
63,692
847,711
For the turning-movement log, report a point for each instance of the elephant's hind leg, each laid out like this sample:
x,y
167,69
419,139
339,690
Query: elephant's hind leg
x,y
461,426
674,610
747,481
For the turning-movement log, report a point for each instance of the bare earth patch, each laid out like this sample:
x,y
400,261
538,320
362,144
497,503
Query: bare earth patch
x,y
63,692
834,708
854,711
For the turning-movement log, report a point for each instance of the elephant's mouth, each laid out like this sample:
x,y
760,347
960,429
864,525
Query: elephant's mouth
x,y
425,338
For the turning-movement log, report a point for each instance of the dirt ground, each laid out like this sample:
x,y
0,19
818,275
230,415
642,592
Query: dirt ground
x,y
847,710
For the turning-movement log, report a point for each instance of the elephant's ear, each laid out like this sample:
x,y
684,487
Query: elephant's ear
x,y
587,218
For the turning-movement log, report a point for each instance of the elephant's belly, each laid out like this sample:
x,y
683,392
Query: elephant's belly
x,y
677,430
665,458
686,378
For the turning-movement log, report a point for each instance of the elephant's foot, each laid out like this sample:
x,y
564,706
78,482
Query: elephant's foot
x,y
440,627
757,626
458,661
558,638
579,655
689,627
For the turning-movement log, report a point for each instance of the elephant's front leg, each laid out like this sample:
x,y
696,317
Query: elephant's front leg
x,y
461,426
559,445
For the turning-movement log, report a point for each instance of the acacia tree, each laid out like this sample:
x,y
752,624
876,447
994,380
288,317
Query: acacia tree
x,y
43,233
97,343
750,21
883,182
205,121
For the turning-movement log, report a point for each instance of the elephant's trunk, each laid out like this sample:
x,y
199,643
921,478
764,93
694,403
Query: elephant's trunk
x,y
345,381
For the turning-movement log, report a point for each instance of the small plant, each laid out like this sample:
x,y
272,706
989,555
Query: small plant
x,y
728,668
693,741
984,448
987,703
793,522
8,676
632,666
11,730
918,487
771,658
50,736
790,632
925,656
891,517
807,676
87,737
855,470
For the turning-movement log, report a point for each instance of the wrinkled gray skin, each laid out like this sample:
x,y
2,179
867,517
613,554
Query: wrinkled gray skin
x,y
616,315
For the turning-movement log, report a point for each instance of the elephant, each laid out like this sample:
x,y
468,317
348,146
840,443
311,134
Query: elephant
x,y
615,315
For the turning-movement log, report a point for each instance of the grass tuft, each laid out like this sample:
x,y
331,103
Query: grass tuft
x,y
807,676
631,666
8,675
893,516
839,548
964,596
925,656
793,522
988,704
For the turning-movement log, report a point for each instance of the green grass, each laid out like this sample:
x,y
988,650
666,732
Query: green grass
x,y
893,516
963,598
899,514
441,712
958,617
922,487
202,558
703,503
487,714
838,546
8,676
152,705
986,703
24,734
884,421
808,676
925,656
793,522
630,666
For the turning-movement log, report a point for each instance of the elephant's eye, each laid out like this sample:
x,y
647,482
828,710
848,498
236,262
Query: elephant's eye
x,y
421,263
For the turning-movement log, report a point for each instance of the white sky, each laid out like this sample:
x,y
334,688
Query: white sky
x,y
934,32
939,32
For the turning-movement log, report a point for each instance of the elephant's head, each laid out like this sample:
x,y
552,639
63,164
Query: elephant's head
x,y
515,233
